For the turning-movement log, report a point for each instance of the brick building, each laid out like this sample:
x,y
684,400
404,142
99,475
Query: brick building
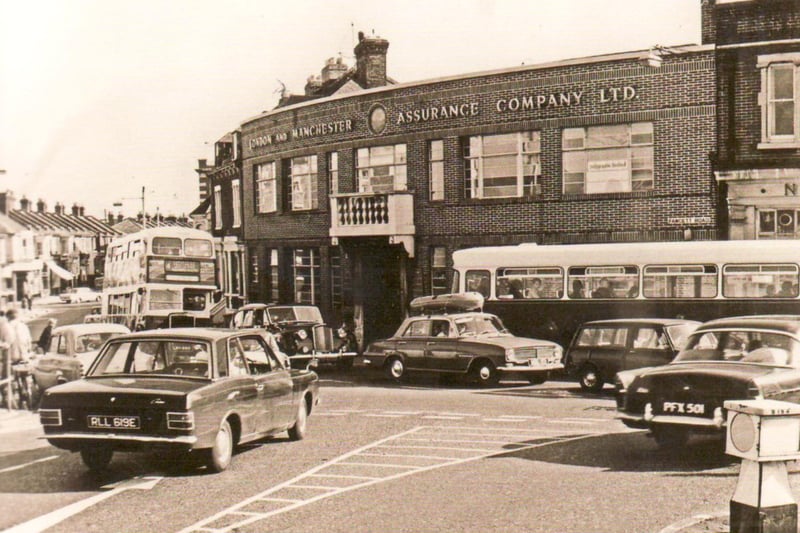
x,y
758,155
355,195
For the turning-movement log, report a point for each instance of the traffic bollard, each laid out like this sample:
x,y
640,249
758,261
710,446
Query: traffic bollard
x,y
765,434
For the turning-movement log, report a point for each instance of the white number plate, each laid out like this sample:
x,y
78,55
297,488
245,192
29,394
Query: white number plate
x,y
683,408
112,422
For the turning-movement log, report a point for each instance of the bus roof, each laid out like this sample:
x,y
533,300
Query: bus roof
x,y
164,231
662,253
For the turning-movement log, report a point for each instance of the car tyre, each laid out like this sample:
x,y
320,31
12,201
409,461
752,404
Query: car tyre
x,y
670,438
485,373
395,368
298,430
97,459
590,379
219,456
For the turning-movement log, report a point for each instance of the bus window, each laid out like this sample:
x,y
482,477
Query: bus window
x,y
679,281
759,281
477,281
167,246
198,248
603,282
455,286
531,283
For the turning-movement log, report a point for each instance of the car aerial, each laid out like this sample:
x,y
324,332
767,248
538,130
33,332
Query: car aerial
x,y
736,358
72,350
449,337
602,348
300,333
80,295
187,391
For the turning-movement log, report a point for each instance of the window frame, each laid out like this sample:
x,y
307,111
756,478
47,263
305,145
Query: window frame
x,y
307,180
475,168
436,170
217,207
365,173
769,64
236,203
262,181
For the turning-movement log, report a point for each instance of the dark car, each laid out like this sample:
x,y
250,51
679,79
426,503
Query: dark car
x,y
602,348
737,358
472,343
301,333
176,391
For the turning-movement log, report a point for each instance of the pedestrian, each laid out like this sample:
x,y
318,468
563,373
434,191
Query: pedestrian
x,y
6,338
21,343
47,333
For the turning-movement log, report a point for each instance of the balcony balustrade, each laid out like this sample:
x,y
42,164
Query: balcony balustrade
x,y
372,215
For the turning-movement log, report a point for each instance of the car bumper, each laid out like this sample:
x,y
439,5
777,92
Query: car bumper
x,y
522,368
648,420
76,441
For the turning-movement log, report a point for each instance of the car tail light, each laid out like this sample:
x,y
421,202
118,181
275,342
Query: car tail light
x,y
50,417
180,420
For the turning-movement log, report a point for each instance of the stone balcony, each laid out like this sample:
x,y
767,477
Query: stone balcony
x,y
375,215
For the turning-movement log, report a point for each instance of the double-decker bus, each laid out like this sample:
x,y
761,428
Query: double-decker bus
x,y
158,273
546,291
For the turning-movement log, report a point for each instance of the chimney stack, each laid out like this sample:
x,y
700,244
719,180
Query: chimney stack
x,y
81,211
25,204
41,206
371,61
6,202
313,84
333,69
75,209
59,208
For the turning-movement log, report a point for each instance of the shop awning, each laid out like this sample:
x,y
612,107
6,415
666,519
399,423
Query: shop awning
x,y
21,266
62,273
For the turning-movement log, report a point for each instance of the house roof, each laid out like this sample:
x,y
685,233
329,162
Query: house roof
x,y
61,223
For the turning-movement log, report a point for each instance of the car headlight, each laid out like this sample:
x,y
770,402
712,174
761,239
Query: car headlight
x,y
509,354
302,334
341,332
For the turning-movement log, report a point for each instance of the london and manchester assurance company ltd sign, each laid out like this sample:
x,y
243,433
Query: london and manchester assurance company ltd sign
x,y
379,118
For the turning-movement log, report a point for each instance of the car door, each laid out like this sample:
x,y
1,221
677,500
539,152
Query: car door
x,y
608,351
413,342
244,394
273,382
441,349
55,363
648,348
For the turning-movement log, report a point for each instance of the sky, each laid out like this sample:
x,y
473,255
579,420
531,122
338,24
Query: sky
x,y
102,99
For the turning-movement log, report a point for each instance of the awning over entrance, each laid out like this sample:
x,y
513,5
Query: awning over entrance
x,y
61,272
21,266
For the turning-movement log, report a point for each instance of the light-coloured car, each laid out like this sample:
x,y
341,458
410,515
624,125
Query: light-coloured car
x,y
80,295
72,350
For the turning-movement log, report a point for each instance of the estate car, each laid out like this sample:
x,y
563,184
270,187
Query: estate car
x,y
181,391
466,343
736,358
602,348
79,295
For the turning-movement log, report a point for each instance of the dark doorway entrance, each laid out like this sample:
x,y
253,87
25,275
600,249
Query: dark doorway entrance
x,y
379,289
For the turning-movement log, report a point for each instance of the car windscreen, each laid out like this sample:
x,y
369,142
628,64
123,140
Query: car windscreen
x,y
479,325
679,334
749,346
93,341
294,314
154,357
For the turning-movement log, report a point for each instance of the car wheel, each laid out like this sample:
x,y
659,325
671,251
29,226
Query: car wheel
x,y
298,430
97,459
590,379
485,373
219,457
670,438
395,368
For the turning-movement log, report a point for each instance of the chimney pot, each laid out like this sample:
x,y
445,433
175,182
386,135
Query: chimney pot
x,y
371,61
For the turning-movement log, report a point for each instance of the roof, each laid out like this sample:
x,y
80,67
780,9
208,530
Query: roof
x,y
784,323
131,225
203,209
178,334
62,223
659,321
95,327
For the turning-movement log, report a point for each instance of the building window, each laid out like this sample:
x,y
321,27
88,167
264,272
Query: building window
x,y
780,111
608,159
236,203
436,170
274,293
255,282
778,223
337,281
266,190
333,172
503,166
439,270
303,194
306,279
217,207
381,169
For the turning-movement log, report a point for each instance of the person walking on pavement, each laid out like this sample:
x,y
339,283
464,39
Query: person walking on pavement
x,y
47,333
21,343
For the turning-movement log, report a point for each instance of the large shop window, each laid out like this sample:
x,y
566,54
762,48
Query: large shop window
x,y
439,270
333,172
306,277
236,203
779,100
255,282
217,207
337,280
608,159
272,268
436,170
381,169
266,190
503,166
303,195
778,223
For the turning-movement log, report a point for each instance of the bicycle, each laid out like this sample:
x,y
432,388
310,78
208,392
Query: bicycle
x,y
22,386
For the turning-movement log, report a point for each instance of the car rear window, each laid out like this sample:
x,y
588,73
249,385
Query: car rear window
x,y
155,357
749,346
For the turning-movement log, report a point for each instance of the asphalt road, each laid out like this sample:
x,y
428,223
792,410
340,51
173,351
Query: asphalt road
x,y
381,456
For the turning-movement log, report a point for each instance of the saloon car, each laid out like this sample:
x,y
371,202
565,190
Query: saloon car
x,y
79,295
447,342
72,350
602,348
186,391
736,358
301,333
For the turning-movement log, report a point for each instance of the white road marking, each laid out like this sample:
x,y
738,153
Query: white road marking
x,y
383,415
443,417
17,467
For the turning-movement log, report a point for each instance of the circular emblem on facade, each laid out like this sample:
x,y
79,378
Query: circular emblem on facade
x,y
377,119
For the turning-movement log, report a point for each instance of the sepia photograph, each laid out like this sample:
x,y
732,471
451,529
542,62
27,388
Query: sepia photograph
x,y
447,266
